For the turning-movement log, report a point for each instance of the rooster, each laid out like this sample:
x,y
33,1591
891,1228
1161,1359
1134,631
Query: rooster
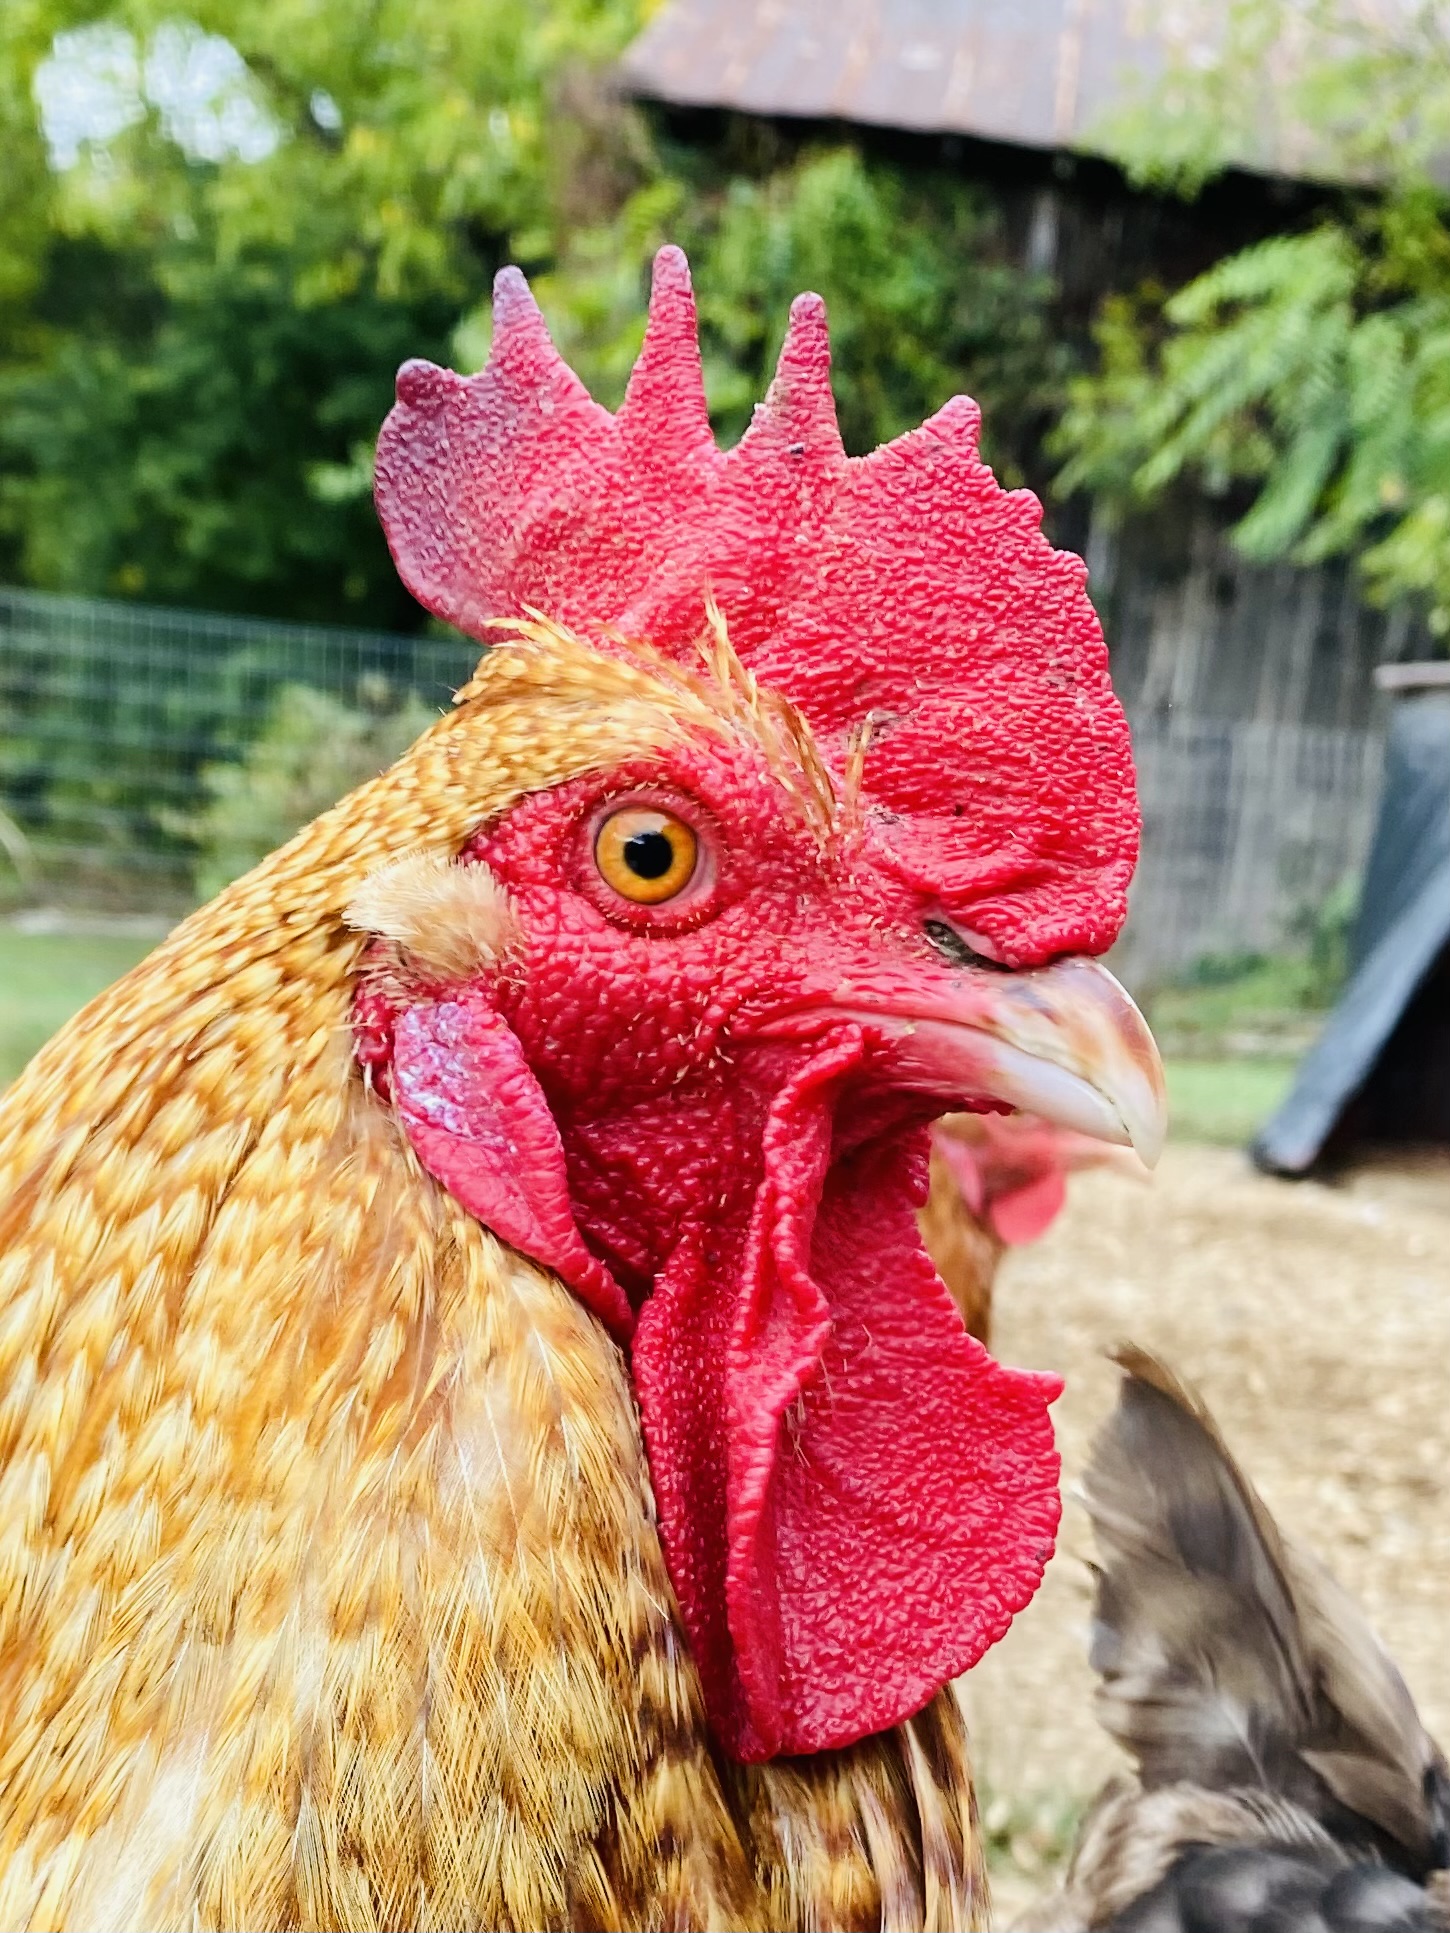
x,y
481,1440
1284,1781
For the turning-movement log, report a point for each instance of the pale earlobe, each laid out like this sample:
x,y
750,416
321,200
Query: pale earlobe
x,y
451,918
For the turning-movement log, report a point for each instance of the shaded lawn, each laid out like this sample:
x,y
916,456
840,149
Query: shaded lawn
x,y
46,977
1224,1101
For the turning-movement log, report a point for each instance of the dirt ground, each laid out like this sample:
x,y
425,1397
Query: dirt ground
x,y
1316,1321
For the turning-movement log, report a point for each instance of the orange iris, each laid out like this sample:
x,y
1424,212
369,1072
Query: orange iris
x,y
646,855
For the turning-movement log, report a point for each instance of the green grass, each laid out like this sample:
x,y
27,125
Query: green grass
x,y
1268,1009
46,977
1224,1100
1231,1032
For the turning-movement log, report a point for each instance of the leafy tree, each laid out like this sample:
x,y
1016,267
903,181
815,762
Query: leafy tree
x,y
1311,371
230,228
202,305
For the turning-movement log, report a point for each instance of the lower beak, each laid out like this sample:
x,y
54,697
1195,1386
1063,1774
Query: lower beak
x,y
1063,1042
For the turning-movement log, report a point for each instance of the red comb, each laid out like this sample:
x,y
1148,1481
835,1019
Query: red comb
x,y
905,584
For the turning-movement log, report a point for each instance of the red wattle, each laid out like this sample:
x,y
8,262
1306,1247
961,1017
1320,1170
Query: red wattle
x,y
876,1494
1025,1214
854,1498
478,1123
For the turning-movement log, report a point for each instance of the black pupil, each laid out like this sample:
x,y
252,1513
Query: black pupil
x,y
649,855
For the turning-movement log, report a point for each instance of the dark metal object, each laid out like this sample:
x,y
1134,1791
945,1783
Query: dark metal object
x,y
1380,1071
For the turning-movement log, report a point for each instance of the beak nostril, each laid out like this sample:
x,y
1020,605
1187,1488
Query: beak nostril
x,y
950,944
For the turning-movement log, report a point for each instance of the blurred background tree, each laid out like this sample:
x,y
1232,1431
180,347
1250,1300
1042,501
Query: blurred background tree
x,y
221,234
1309,376
229,230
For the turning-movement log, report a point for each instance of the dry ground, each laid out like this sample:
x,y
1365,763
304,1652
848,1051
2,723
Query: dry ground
x,y
1316,1321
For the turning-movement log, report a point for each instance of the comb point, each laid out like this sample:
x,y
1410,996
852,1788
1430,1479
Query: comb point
x,y
960,418
518,323
807,345
808,309
512,296
420,384
671,273
665,396
799,406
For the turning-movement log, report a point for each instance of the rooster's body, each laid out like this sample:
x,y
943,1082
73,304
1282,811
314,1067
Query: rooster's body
x,y
481,1442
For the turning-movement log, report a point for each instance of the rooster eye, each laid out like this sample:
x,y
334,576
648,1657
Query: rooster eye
x,y
646,855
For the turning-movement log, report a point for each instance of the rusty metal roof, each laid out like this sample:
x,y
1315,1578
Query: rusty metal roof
x,y
1039,73
1036,73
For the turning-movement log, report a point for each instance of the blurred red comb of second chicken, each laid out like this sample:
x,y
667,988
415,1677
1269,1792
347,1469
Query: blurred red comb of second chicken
x,y
999,1181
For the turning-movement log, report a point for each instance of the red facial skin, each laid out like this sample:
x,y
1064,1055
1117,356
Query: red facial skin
x,y
854,1499
637,1020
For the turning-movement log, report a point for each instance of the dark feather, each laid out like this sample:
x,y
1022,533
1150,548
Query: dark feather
x,y
1230,1659
1258,1889
1285,1782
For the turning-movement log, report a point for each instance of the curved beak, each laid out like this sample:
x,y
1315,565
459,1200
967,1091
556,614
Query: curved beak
x,y
1064,1042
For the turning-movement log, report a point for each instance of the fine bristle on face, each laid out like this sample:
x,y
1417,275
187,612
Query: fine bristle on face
x,y
902,600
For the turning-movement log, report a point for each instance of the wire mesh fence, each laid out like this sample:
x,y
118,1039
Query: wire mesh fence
x,y
148,755
120,725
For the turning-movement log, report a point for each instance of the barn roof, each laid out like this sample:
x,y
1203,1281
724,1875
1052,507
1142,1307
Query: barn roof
x,y
1036,73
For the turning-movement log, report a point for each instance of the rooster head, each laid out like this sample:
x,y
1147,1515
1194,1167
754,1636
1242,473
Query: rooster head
x,y
806,799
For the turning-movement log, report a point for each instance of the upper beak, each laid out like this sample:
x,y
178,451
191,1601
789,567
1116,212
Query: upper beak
x,y
1064,1042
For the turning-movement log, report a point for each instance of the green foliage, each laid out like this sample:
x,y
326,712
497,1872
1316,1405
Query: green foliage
x,y
1257,1004
200,319
197,340
192,466
1312,369
1256,378
312,749
1325,930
